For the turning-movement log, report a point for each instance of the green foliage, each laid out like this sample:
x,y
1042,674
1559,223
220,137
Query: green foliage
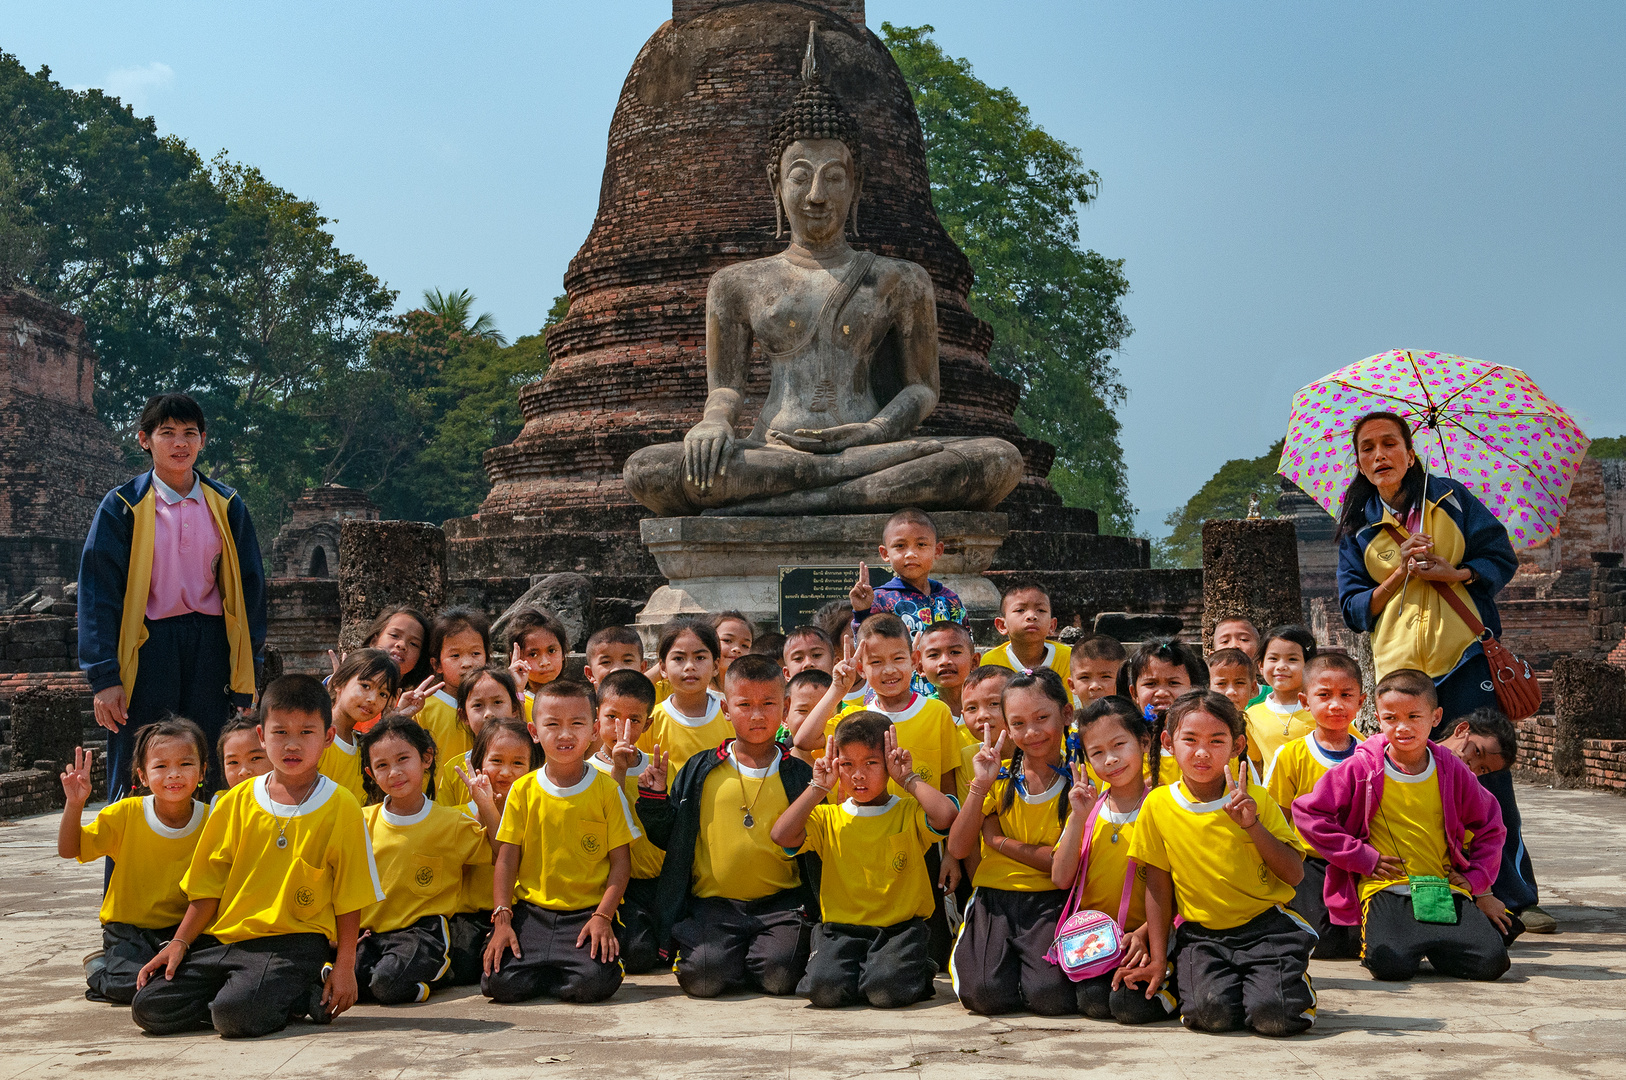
x,y
457,307
1009,195
1610,447
1225,495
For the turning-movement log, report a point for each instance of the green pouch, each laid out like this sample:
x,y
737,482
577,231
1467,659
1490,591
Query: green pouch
x,y
1431,900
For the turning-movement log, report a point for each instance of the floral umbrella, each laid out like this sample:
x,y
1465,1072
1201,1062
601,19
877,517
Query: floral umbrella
x,y
1485,425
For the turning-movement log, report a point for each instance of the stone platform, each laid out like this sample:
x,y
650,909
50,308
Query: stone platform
x,y
729,563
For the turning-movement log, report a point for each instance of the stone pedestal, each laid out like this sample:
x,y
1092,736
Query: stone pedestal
x,y
717,564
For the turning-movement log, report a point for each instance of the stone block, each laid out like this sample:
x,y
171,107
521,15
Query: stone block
x,y
45,726
1589,703
387,562
567,597
1250,568
1131,626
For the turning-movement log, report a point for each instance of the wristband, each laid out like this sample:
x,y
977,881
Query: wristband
x,y
599,915
500,908
186,946
910,779
819,786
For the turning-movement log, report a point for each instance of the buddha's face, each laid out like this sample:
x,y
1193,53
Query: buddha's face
x,y
817,185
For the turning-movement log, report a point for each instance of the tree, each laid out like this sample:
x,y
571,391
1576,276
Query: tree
x,y
1611,447
455,308
1226,495
1009,195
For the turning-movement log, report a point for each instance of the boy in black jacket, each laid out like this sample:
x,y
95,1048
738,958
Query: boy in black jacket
x,y
737,907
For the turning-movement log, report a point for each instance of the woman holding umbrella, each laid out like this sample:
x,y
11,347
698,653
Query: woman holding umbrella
x,y
1401,529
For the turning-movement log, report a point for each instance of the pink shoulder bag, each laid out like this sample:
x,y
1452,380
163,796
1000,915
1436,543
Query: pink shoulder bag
x,y
1090,943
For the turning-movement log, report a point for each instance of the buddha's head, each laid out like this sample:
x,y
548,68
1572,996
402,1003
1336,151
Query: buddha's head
x,y
816,170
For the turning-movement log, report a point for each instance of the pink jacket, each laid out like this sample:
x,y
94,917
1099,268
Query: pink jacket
x,y
1336,819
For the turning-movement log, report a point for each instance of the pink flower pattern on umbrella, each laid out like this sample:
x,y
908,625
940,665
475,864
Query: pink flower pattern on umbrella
x,y
1485,425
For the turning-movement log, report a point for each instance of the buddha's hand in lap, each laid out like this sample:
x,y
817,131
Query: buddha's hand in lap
x,y
831,440
705,452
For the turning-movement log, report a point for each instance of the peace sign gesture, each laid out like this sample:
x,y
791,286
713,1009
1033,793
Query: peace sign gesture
x,y
76,779
1242,808
412,701
824,772
845,672
653,778
899,762
624,753
986,761
862,596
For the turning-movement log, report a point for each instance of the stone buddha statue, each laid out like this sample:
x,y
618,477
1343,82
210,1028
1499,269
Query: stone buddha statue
x,y
851,341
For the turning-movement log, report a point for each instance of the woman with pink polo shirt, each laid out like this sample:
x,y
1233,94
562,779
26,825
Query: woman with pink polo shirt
x,y
171,594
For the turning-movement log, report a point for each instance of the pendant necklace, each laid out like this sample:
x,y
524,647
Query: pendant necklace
x,y
1118,826
282,823
750,821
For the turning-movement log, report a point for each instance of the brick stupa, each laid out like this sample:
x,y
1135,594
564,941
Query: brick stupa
x,y
684,194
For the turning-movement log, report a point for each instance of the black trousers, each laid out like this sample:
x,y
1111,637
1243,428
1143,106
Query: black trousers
x,y
1395,942
1334,942
1255,975
125,951
999,963
887,966
550,962
1129,1004
727,945
640,952
941,937
244,989
469,931
398,966
184,669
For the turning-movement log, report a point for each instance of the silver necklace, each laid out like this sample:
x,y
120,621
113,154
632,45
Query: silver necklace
x,y
282,822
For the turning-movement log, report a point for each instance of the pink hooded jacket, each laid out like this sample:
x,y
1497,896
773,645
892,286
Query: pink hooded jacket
x,y
1336,819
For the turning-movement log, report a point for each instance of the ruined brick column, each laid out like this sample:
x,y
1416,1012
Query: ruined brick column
x,y
45,728
1250,568
1606,604
387,562
1590,703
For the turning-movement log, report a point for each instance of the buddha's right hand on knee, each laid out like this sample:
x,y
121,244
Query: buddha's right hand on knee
x,y
705,452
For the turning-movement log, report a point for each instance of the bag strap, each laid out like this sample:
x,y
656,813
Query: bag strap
x,y
1444,590
1077,892
1123,903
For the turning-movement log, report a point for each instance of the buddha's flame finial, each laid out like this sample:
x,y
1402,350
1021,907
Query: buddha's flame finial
x,y
810,62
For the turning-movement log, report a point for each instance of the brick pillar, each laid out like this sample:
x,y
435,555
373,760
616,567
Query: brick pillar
x,y
46,725
1606,604
1250,568
1590,703
388,562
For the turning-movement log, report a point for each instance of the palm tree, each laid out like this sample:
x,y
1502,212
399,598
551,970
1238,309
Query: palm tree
x,y
455,308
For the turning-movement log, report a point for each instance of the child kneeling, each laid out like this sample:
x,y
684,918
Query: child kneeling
x,y
1404,822
875,893
563,861
1217,848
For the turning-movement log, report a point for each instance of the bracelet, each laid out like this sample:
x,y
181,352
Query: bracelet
x,y
999,843
819,786
500,908
600,915
186,946
910,779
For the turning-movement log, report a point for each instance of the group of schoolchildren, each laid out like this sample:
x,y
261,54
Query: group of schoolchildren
x,y
812,814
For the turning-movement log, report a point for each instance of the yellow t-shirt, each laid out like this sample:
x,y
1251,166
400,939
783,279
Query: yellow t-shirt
x,y
1057,657
478,878
341,763
925,728
647,859
149,859
1270,727
325,869
874,861
1032,819
967,736
439,717
1220,880
682,736
565,836
1108,863
732,860
1295,771
420,858
1409,825
449,787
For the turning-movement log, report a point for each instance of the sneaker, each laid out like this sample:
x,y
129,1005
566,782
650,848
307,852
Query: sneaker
x,y
1537,921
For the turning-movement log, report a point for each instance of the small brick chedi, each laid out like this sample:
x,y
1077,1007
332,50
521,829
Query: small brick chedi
x,y
684,195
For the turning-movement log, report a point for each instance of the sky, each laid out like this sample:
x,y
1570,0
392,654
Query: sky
x,y
1292,186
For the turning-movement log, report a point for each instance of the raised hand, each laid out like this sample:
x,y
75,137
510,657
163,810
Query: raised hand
x,y
862,595
335,658
478,783
653,778
624,753
899,762
1080,797
1242,808
845,672
986,762
76,780
412,701
521,669
824,773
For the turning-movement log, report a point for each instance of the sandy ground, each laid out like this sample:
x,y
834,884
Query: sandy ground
x,y
1561,1010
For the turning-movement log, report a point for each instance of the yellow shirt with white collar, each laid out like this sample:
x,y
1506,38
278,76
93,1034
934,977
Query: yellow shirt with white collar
x,y
149,860
1108,865
924,727
734,860
1295,770
1057,657
1409,826
1271,726
1031,819
682,736
647,859
341,763
874,860
421,859
439,717
565,836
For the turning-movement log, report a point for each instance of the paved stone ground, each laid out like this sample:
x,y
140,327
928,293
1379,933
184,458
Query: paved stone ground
x,y
1561,1011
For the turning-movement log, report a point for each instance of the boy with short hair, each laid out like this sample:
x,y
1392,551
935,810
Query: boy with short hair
x,y
909,544
1026,621
1092,668
1280,717
872,943
732,902
625,698
806,647
1333,694
802,695
614,648
945,654
1233,673
277,885
1398,822
562,864
1238,632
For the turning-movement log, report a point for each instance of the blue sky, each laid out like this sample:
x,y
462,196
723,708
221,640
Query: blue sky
x,y
1293,186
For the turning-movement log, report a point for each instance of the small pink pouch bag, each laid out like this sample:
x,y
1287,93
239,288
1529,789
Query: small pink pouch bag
x,y
1090,943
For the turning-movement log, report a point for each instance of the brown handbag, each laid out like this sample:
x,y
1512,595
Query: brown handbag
x,y
1517,691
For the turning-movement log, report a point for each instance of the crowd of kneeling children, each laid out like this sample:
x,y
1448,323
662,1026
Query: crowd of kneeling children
x,y
839,813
